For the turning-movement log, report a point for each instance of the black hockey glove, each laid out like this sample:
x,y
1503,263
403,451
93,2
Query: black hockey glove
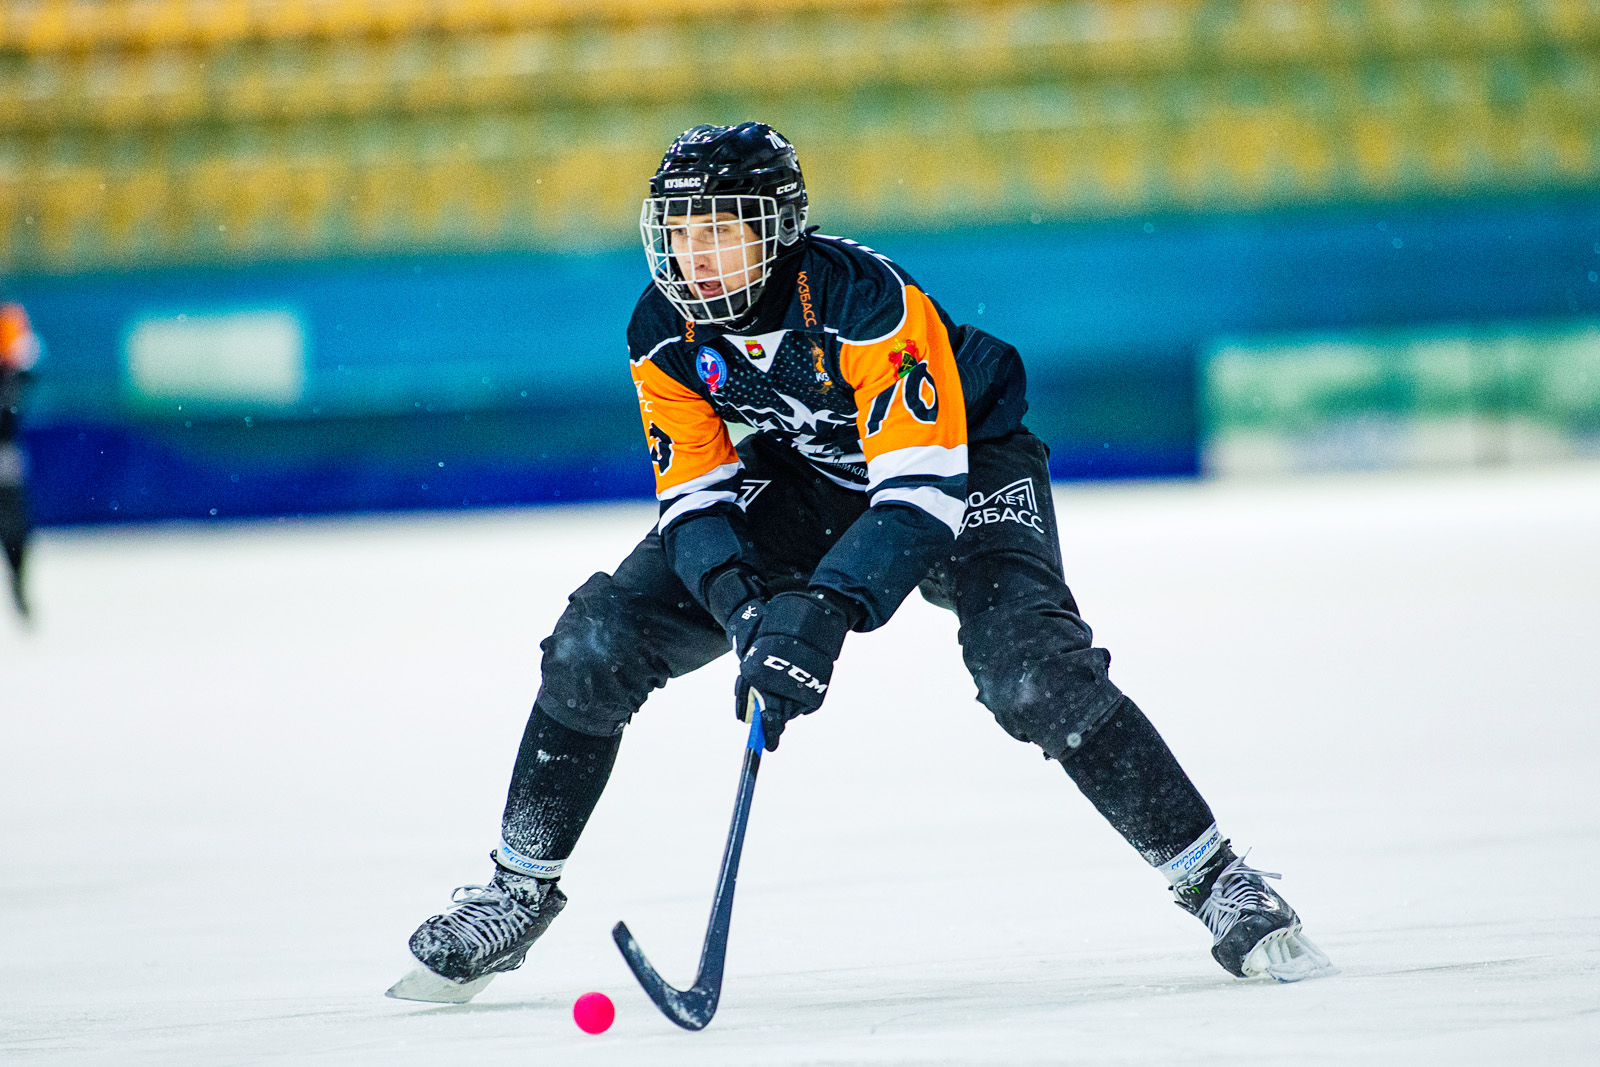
x,y
790,662
742,626
737,597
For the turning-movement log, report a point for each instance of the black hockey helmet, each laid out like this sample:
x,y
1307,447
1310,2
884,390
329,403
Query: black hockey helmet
x,y
748,174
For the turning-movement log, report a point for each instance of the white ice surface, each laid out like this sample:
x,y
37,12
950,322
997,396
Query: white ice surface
x,y
240,764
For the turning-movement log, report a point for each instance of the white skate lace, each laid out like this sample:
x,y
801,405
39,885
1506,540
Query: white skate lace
x,y
1238,889
486,918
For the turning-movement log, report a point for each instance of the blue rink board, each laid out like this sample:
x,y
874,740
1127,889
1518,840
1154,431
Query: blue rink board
x,y
469,381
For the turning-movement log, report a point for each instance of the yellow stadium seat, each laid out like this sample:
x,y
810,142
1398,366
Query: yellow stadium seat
x,y
154,23
471,122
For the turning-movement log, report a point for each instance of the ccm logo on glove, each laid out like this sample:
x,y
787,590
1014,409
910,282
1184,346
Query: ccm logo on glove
x,y
801,676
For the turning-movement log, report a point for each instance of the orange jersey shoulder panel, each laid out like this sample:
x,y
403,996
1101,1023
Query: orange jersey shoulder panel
x,y
687,440
908,390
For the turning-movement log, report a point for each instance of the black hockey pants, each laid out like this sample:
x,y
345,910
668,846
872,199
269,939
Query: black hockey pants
x,y
1031,655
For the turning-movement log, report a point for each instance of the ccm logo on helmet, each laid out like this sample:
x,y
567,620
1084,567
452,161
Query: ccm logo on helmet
x,y
803,677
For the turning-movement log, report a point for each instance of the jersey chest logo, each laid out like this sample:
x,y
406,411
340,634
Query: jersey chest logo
x,y
712,368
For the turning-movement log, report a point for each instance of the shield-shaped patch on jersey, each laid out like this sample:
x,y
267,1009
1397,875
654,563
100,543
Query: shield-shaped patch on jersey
x,y
761,349
712,367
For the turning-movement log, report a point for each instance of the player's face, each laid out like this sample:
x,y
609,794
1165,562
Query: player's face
x,y
717,254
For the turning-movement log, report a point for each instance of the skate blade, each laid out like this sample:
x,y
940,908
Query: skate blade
x,y
1288,955
422,984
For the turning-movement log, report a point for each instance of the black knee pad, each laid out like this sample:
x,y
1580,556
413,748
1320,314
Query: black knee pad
x,y
1039,673
599,665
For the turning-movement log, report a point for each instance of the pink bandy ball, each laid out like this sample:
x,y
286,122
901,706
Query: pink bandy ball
x,y
594,1013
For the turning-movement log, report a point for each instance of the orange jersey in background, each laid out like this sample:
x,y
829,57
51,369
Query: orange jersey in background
x,y
19,345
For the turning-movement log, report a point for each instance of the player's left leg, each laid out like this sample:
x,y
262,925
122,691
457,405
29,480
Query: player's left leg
x,y
622,636
1037,669
14,531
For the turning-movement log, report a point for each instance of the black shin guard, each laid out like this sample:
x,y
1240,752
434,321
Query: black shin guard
x,y
558,779
1131,777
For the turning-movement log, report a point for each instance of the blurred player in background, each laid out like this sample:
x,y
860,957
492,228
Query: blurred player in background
x,y
19,351
888,454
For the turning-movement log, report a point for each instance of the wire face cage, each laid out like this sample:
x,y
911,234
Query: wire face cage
x,y
710,255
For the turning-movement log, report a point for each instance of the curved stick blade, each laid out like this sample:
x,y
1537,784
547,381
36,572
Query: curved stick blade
x,y
693,1008
690,1008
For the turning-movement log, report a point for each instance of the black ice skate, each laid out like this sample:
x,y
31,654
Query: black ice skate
x,y
1255,931
488,929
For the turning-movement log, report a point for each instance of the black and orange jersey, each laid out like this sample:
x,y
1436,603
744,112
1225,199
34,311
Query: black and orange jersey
x,y
19,351
858,370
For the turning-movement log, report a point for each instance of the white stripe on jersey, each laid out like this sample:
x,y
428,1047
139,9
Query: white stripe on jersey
x,y
696,501
947,509
705,481
935,460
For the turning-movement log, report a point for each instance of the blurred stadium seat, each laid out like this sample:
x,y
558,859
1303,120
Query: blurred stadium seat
x,y
1069,108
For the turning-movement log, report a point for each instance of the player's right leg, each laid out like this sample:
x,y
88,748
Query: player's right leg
x,y
622,636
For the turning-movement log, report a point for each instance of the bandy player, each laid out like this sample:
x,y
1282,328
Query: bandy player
x,y
19,351
888,453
